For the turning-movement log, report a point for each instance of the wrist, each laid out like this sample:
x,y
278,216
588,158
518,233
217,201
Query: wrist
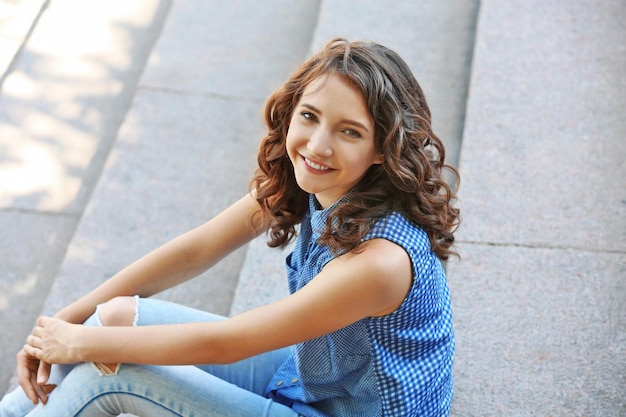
x,y
80,344
72,314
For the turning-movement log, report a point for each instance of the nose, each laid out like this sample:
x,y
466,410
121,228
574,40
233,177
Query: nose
x,y
320,143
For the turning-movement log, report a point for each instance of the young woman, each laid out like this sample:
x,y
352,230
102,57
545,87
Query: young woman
x,y
350,158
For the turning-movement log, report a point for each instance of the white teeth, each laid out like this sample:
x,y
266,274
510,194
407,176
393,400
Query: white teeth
x,y
314,165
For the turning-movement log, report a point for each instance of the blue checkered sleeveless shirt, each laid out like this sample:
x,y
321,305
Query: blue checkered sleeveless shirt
x,y
396,365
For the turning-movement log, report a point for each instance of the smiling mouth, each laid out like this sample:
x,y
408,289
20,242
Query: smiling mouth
x,y
314,165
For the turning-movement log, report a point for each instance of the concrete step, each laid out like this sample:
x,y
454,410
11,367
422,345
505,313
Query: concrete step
x,y
18,18
188,145
539,293
63,99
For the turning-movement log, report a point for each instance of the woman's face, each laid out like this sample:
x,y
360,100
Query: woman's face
x,y
330,141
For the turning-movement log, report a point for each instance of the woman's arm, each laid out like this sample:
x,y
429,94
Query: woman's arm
x,y
177,261
373,282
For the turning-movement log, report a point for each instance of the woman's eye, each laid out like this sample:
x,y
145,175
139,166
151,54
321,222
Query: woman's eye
x,y
352,133
308,115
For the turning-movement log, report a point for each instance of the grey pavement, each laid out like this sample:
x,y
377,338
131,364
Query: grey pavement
x,y
17,20
64,96
123,124
540,294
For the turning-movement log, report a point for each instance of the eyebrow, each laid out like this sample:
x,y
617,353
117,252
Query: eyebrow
x,y
349,121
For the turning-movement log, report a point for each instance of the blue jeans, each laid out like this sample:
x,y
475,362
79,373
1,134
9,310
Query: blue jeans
x,y
154,391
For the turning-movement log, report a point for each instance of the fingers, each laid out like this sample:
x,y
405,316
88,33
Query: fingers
x,y
27,372
32,373
34,341
39,391
43,373
33,346
43,391
42,321
28,388
24,375
33,351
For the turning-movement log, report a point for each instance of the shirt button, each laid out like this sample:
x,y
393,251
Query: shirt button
x,y
279,383
293,381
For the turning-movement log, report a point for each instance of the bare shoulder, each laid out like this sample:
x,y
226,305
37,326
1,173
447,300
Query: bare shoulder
x,y
381,255
383,266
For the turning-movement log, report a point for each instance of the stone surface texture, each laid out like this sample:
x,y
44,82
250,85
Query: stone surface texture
x,y
124,124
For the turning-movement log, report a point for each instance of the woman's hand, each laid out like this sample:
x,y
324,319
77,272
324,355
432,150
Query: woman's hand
x,y
51,341
32,371
35,387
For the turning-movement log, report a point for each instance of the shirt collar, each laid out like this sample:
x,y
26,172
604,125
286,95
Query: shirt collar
x,y
319,215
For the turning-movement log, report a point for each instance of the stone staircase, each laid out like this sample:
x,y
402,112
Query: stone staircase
x,y
123,125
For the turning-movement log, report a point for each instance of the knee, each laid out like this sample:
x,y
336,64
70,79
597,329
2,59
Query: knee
x,y
119,311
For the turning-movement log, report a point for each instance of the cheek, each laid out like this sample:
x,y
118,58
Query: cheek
x,y
294,136
289,140
291,144
362,163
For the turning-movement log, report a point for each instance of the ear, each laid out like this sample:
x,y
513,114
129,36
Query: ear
x,y
380,158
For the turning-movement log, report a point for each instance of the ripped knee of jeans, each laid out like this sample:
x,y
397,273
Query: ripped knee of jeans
x,y
117,312
105,369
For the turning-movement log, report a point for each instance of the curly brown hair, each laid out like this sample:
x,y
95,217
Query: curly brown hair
x,y
409,181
